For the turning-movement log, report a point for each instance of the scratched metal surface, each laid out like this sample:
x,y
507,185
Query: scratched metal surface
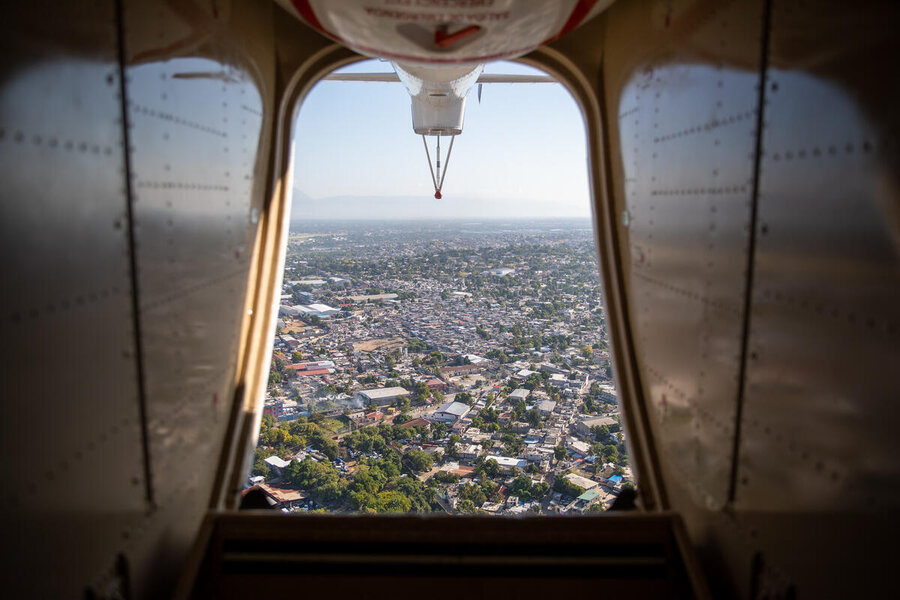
x,y
74,491
195,98
816,461
819,443
72,461
685,106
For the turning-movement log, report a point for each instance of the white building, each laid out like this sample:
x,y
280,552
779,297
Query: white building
x,y
382,396
277,463
322,311
474,359
519,394
577,447
506,463
450,412
582,482
313,282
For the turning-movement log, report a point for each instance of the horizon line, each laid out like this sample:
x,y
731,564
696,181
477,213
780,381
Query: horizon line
x,y
442,218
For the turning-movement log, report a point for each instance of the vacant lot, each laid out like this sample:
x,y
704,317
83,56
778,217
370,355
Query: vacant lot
x,y
379,344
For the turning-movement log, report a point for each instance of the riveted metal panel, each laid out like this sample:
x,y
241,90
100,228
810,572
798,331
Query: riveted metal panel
x,y
686,106
71,446
75,495
196,85
819,447
681,86
816,460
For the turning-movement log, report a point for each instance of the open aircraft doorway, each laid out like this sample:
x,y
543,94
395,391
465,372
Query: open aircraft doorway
x,y
440,356
743,177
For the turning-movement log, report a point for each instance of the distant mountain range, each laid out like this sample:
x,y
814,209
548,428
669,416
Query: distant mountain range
x,y
421,207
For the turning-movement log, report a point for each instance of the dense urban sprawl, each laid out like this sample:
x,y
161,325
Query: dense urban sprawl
x,y
456,367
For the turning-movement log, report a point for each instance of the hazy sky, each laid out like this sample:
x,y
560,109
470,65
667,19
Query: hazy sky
x,y
521,153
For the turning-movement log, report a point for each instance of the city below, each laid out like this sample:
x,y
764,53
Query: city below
x,y
455,367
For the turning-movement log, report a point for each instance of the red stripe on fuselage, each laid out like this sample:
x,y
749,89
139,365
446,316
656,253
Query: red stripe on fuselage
x,y
581,10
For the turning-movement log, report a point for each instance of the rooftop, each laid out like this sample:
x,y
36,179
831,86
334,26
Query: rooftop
x,y
454,408
505,461
582,482
378,393
589,495
282,495
277,461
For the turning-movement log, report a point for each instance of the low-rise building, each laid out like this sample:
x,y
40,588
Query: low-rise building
x,y
519,394
277,463
582,482
578,447
450,412
538,454
506,463
614,482
382,396
282,498
274,408
559,381
463,369
546,407
436,384
469,452
585,500
584,426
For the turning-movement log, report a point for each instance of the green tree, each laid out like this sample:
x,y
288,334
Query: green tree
x,y
391,501
521,487
415,345
600,432
419,460
567,488
434,358
421,390
438,430
610,453
539,490
260,467
474,493
319,478
491,467
464,397
451,450
444,477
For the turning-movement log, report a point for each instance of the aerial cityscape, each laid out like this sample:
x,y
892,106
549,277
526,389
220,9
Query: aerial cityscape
x,y
449,366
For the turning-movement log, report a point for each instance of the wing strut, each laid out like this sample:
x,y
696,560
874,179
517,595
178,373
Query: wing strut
x,y
437,178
